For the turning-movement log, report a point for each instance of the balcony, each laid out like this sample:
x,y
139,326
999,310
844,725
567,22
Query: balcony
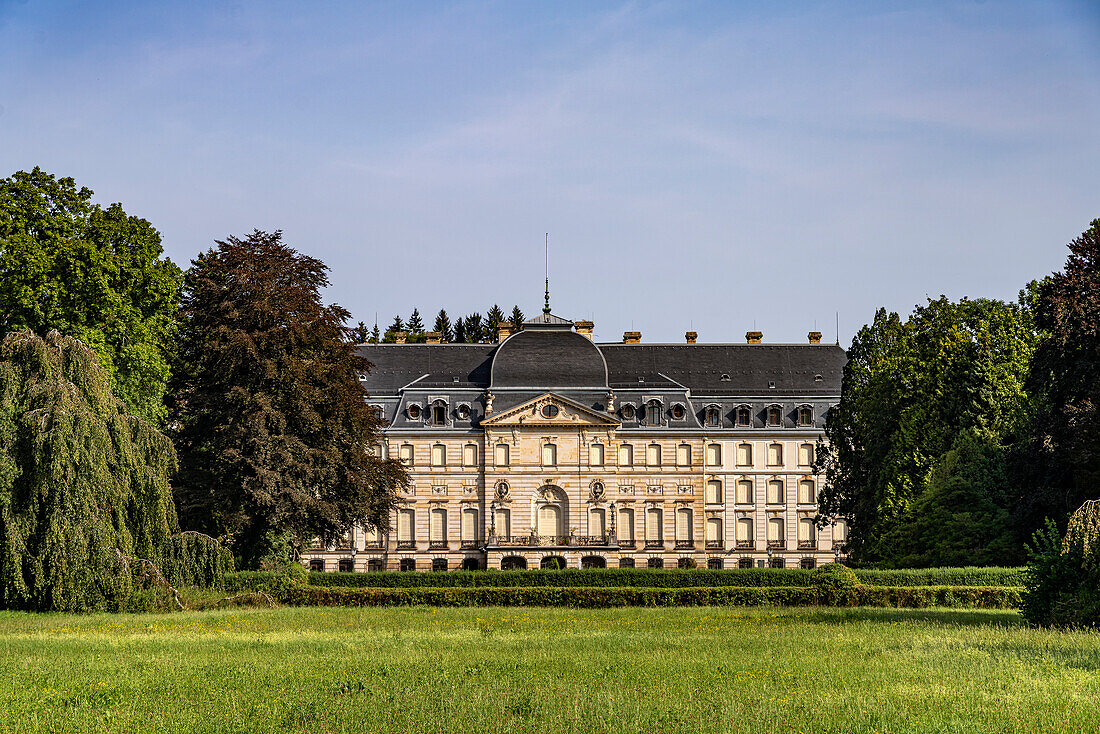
x,y
553,540
628,543
681,544
438,545
714,545
777,544
468,544
659,544
406,545
746,545
374,544
807,545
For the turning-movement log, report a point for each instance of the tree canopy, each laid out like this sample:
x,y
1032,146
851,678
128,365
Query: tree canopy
x,y
93,273
274,436
83,483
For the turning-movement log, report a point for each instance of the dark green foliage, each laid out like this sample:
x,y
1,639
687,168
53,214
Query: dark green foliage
x,y
375,337
83,484
836,585
1061,467
604,597
493,319
360,334
474,328
443,326
91,273
909,389
460,331
1062,587
195,559
415,324
517,318
274,434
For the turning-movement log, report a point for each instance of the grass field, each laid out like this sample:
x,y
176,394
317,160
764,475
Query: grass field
x,y
546,670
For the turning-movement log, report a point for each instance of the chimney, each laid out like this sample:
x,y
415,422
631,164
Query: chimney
x,y
399,337
815,337
584,328
754,337
632,337
432,337
691,336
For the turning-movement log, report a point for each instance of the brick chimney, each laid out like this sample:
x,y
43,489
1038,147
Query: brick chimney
x,y
399,337
504,330
691,336
584,328
432,337
632,337
815,337
754,337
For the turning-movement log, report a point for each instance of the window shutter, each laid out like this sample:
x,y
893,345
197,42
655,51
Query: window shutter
x,y
806,454
683,455
596,522
714,529
775,492
714,454
469,455
744,454
502,454
626,524
806,491
595,454
775,529
714,491
683,524
405,525
626,455
653,521
469,524
504,522
653,455
439,524
744,529
744,491
805,529
439,455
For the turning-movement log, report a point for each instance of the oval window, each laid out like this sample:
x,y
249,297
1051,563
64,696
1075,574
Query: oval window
x,y
414,412
678,412
463,412
628,412
549,411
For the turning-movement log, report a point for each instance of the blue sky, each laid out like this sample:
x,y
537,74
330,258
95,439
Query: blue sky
x,y
698,165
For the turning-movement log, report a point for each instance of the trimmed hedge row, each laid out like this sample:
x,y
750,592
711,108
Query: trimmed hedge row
x,y
604,597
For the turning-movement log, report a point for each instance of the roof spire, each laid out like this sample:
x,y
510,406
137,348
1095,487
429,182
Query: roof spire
x,y
546,308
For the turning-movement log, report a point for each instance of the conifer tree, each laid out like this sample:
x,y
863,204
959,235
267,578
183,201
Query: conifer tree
x,y
415,324
475,329
359,334
83,483
460,336
375,337
493,319
517,318
443,326
397,325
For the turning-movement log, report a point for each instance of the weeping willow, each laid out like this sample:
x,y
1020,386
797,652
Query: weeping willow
x,y
84,487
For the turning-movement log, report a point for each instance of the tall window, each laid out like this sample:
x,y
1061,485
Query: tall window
x,y
806,492
406,522
714,492
805,416
744,454
683,455
713,416
439,455
469,525
775,454
549,454
775,415
625,526
744,416
501,454
714,531
775,492
776,531
805,454
549,521
653,454
597,522
654,520
469,455
595,454
503,521
406,454
626,455
653,413
744,491
439,414
714,454
807,534
840,532
684,523
438,526
744,530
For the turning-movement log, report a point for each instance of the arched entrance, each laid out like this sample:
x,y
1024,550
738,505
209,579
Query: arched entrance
x,y
550,515
556,563
593,562
513,563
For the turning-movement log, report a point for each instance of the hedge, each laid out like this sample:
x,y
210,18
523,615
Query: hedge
x,y
667,578
603,597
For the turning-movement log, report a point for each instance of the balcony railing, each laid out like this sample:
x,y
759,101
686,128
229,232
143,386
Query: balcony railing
x,y
807,545
552,540
467,544
437,545
628,543
374,544
746,545
655,544
714,545
685,543
773,544
406,545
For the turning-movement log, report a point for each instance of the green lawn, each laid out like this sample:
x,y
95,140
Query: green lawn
x,y
546,670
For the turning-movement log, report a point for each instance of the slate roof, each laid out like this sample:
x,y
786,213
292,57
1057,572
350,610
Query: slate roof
x,y
396,365
550,358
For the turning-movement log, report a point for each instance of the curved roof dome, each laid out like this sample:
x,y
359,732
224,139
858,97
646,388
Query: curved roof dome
x,y
548,355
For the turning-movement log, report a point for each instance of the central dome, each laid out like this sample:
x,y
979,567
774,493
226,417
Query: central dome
x,y
548,353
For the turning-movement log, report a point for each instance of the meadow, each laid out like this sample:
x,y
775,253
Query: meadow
x,y
424,669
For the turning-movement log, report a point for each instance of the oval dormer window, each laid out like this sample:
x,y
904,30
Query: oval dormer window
x,y
414,412
678,412
628,412
549,411
463,412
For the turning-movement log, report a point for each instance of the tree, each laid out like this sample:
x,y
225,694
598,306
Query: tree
x,y
415,324
360,334
83,483
474,328
517,318
460,335
391,330
493,319
909,388
91,273
443,326
1061,467
275,437
1062,582
375,337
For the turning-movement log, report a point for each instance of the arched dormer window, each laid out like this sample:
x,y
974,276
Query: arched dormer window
x,y
805,415
712,416
653,413
744,416
678,412
628,412
775,415
414,412
438,413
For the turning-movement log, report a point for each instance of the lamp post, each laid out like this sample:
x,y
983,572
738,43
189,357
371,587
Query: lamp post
x,y
613,537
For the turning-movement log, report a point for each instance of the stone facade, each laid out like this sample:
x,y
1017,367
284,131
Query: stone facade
x,y
613,458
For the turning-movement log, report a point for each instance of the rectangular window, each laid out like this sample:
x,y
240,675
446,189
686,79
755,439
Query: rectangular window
x,y
806,531
625,529
744,416
744,530
653,455
714,492
626,455
595,454
714,530
806,492
776,532
654,519
744,491
775,415
714,454
469,525
406,453
469,455
596,522
840,532
439,455
501,454
744,454
503,521
549,454
439,526
684,525
775,492
806,454
775,454
405,523
683,455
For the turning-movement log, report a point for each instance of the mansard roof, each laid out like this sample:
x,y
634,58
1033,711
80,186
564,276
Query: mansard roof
x,y
548,356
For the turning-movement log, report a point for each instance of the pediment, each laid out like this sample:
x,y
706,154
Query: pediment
x,y
568,413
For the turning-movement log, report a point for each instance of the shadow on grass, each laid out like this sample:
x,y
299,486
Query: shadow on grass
x,y
956,617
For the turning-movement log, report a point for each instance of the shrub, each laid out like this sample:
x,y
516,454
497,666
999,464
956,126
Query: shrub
x,y
195,559
1062,584
836,585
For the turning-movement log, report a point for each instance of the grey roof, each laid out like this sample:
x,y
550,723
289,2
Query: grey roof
x,y
547,319
548,357
396,365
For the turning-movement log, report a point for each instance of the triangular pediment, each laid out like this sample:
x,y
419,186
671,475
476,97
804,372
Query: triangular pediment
x,y
565,412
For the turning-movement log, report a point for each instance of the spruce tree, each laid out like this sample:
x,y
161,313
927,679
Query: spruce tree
x,y
359,334
475,329
83,483
392,329
443,326
460,336
517,318
275,437
375,337
493,319
415,324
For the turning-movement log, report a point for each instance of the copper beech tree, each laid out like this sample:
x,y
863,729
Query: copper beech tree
x,y
275,440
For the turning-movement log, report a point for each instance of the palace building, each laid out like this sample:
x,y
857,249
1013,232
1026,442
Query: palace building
x,y
547,449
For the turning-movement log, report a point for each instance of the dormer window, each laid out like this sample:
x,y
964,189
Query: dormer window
x,y
414,412
463,412
439,414
678,412
713,416
653,412
775,416
805,415
628,412
744,416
